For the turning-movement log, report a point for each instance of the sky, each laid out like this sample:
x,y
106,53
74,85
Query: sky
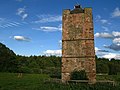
x,y
34,27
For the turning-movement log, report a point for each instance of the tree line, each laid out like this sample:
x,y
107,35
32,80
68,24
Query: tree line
x,y
106,66
10,62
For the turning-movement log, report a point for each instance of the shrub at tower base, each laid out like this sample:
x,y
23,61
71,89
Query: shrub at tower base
x,y
79,75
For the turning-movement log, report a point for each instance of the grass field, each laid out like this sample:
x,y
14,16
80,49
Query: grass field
x,y
115,78
10,81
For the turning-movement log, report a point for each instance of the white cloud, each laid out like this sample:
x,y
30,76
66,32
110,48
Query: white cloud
x,y
117,56
24,16
22,13
103,35
115,47
106,54
21,38
49,28
110,56
100,52
116,40
103,21
48,18
44,28
107,35
60,43
99,19
97,52
116,12
96,49
53,52
116,34
4,23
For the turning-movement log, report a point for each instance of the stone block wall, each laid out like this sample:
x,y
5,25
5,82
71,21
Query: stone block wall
x,y
78,51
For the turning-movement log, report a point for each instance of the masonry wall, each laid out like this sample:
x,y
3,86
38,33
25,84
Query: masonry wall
x,y
78,44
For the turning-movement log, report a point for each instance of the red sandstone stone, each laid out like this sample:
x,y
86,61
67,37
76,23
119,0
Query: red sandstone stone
x,y
78,51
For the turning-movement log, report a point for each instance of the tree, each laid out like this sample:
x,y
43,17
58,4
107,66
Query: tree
x,y
7,59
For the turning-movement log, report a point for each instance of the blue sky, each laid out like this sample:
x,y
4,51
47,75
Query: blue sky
x,y
34,27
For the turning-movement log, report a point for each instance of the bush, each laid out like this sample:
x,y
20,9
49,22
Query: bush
x,y
112,69
55,73
79,75
36,70
25,70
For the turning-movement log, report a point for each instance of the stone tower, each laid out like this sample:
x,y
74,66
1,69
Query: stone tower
x,y
78,51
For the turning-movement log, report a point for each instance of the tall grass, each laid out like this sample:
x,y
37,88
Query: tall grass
x,y
10,81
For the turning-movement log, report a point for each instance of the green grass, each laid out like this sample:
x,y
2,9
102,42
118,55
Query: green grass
x,y
115,78
10,81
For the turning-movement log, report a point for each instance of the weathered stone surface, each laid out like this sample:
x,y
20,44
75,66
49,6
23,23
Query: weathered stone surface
x,y
78,51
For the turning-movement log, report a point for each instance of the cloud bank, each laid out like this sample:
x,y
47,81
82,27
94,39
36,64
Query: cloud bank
x,y
53,52
103,35
115,36
106,54
115,47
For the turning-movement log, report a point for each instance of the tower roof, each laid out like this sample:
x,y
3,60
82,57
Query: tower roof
x,y
77,9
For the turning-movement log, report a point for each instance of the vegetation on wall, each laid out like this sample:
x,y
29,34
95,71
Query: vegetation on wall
x,y
79,75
